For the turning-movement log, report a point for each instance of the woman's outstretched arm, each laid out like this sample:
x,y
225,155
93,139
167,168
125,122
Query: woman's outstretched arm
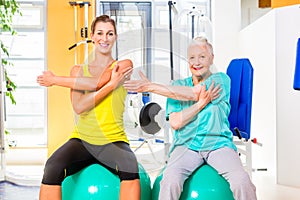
x,y
79,82
183,93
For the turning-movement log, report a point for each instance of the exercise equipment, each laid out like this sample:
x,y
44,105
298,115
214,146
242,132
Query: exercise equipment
x,y
297,68
147,118
240,72
204,184
171,8
83,31
193,22
151,120
97,182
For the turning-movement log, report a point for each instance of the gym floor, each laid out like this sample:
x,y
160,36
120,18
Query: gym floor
x,y
265,185
10,191
264,181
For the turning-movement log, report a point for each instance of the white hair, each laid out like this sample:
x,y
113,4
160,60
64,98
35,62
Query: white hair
x,y
202,40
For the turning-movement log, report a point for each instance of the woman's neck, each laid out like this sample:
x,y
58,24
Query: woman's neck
x,y
200,79
102,60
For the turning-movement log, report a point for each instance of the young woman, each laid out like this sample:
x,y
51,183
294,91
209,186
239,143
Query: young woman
x,y
98,136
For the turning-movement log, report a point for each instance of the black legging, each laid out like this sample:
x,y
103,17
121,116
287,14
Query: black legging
x,y
76,154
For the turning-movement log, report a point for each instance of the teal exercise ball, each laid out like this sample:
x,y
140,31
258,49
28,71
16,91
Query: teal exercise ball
x,y
204,184
97,182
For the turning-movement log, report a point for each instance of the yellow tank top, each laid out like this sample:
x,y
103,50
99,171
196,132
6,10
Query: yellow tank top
x,y
104,123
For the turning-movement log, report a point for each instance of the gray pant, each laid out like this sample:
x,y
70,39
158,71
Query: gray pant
x,y
226,161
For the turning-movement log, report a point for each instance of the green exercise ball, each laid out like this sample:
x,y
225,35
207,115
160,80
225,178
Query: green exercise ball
x,y
204,184
96,182
145,182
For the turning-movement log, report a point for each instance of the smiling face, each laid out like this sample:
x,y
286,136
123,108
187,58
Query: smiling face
x,y
104,37
200,58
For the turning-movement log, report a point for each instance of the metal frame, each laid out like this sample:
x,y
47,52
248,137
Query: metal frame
x,y
83,31
244,149
2,120
5,174
111,7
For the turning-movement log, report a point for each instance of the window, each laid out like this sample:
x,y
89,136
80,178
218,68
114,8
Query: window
x,y
26,120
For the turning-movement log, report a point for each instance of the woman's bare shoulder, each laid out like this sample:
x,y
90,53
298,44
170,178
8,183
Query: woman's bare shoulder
x,y
76,70
125,63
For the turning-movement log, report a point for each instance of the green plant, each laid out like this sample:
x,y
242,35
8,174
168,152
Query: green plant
x,y
8,8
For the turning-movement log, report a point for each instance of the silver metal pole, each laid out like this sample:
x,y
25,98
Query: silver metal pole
x,y
2,130
84,31
86,24
75,33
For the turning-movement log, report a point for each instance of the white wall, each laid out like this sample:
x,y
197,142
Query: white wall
x,y
270,44
257,42
288,100
251,11
226,21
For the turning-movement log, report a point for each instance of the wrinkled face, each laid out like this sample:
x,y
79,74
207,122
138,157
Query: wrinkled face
x,y
104,37
200,59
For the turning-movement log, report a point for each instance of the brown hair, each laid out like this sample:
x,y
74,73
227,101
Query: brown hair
x,y
105,19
